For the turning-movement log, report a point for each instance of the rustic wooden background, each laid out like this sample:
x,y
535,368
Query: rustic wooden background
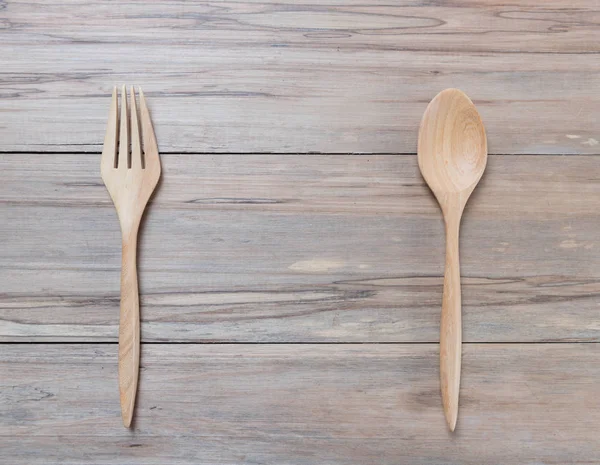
x,y
291,261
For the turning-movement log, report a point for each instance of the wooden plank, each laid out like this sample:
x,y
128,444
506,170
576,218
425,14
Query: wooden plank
x,y
300,404
291,76
258,248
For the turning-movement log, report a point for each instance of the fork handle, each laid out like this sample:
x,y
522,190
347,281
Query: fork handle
x,y
129,328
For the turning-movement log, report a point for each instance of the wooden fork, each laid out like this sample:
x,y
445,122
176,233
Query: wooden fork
x,y
130,177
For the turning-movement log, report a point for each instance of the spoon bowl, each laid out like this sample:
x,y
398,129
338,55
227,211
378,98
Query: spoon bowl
x,y
452,144
452,156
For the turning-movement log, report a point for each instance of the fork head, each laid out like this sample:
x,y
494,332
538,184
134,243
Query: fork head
x,y
130,162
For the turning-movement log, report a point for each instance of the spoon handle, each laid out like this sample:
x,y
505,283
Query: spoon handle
x,y
450,327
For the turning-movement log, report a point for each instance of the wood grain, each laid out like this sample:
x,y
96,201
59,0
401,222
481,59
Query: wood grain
x,y
295,248
292,247
300,404
333,76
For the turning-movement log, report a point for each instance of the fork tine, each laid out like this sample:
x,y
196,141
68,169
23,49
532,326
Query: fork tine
x,y
136,147
109,151
124,133
151,158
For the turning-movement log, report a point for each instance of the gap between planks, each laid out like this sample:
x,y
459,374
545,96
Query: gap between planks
x,y
290,154
281,343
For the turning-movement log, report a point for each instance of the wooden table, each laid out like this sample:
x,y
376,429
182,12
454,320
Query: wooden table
x,y
291,261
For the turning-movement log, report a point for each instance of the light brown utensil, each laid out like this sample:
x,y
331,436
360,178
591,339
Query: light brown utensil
x,y
452,157
130,176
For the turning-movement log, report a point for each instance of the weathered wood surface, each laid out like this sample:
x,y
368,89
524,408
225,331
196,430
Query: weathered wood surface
x,y
290,248
334,76
300,404
296,248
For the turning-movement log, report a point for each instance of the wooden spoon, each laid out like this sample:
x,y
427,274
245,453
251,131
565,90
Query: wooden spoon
x,y
452,156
